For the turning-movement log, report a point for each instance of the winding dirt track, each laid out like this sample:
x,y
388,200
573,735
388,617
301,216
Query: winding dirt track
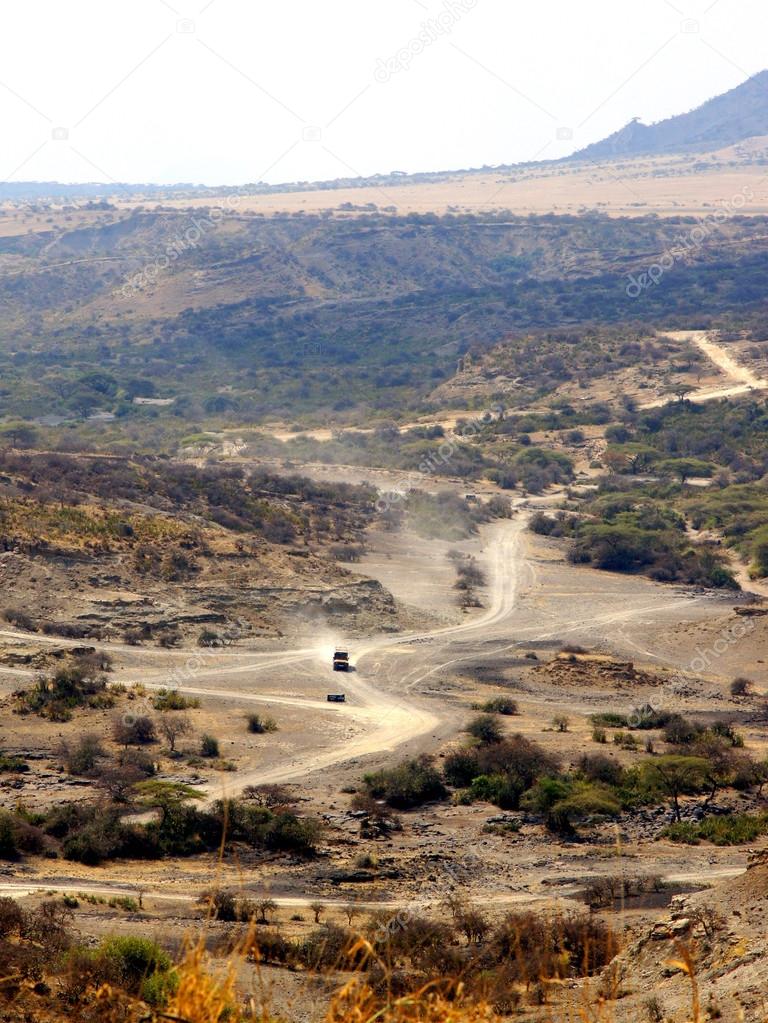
x,y
388,720
388,714
742,379
380,692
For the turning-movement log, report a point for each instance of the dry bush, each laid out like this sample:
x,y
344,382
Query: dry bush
x,y
130,730
270,796
433,1003
19,619
536,945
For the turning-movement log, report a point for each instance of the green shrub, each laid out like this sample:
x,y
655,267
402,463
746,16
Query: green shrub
x,y
647,718
485,728
135,957
125,903
12,764
684,832
261,828
209,747
289,833
77,685
460,767
498,789
140,966
500,705
462,797
157,989
626,740
610,720
565,801
410,784
9,849
172,699
734,829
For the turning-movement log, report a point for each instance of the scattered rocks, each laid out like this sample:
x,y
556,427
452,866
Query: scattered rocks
x,y
583,672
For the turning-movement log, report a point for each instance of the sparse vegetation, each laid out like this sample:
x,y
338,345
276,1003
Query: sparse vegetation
x,y
134,730
173,727
499,705
258,724
485,729
733,829
171,699
57,696
209,747
410,784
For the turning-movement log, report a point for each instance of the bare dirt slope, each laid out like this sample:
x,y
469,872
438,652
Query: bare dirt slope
x,y
722,932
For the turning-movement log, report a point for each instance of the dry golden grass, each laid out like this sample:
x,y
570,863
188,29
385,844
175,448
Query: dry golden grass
x,y
202,996
210,995
356,1003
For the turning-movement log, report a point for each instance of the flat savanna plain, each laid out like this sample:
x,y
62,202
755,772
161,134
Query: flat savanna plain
x,y
633,187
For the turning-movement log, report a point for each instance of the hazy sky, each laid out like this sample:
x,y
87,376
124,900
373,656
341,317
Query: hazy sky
x,y
229,91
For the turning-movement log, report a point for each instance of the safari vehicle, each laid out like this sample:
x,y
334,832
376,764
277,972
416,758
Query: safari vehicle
x,y
340,660
337,698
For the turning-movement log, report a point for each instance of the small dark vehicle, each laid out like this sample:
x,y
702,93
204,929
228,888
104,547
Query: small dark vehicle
x,y
341,660
337,698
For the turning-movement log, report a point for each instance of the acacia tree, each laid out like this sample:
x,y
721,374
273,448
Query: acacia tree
x,y
165,796
680,775
684,468
19,435
681,391
474,925
724,763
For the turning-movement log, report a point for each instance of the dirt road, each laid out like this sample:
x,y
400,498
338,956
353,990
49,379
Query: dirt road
x,y
529,600
389,717
382,703
741,379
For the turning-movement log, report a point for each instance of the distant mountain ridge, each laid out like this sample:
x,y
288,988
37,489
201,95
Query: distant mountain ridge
x,y
733,117
736,115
